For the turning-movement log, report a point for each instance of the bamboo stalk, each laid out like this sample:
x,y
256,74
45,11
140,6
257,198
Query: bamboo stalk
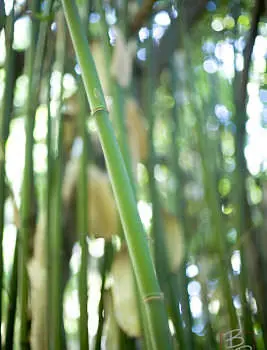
x,y
118,99
27,187
180,208
4,131
12,305
83,225
134,231
49,177
56,215
160,252
242,212
82,196
118,96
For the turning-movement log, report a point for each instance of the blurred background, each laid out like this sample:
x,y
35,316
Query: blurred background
x,y
185,84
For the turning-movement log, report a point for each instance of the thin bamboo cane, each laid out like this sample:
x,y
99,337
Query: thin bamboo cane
x,y
83,225
34,65
134,232
49,177
4,131
160,251
180,207
56,215
242,212
118,95
82,207
12,305
27,187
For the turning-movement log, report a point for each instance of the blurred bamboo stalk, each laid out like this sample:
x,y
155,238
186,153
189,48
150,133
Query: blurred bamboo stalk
x,y
49,181
82,196
34,65
134,231
176,134
118,95
12,304
242,216
119,114
5,118
83,223
158,230
27,196
57,329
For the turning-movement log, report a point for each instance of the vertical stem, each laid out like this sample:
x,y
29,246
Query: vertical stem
x,y
118,96
242,216
49,181
134,231
160,252
180,209
57,250
83,226
4,131
82,196
12,305
28,186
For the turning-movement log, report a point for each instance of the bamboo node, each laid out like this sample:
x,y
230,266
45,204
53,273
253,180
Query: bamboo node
x,y
153,296
98,109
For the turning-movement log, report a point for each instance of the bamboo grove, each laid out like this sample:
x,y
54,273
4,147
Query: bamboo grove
x,y
133,174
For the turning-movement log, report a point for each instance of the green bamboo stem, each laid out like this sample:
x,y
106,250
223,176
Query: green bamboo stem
x,y
160,252
12,305
118,95
4,131
40,51
82,206
27,187
56,215
240,221
180,207
119,113
242,213
134,231
83,225
49,178
34,63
